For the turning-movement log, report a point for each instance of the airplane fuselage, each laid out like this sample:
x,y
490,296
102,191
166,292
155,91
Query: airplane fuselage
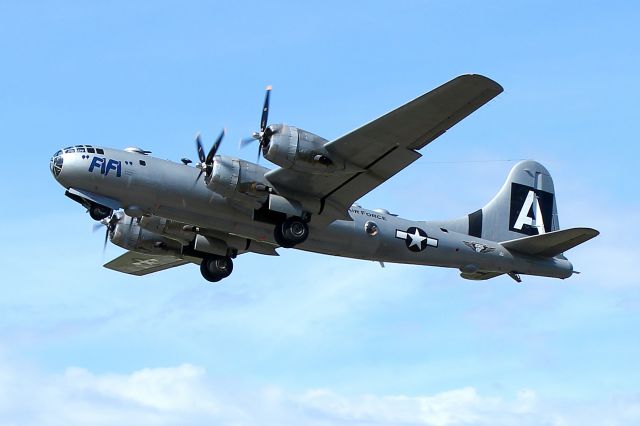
x,y
144,185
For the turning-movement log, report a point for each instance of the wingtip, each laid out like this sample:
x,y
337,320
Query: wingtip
x,y
486,80
269,87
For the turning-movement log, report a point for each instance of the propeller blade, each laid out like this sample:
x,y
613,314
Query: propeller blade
x,y
265,110
199,148
106,239
197,178
265,132
244,142
214,149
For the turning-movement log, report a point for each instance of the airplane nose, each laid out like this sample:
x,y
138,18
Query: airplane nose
x,y
56,164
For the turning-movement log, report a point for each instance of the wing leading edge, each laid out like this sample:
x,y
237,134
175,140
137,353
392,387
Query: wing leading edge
x,y
386,145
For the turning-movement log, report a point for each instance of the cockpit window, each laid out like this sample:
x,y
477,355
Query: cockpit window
x,y
80,148
57,154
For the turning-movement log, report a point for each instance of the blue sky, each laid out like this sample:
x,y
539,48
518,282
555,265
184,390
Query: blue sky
x,y
304,338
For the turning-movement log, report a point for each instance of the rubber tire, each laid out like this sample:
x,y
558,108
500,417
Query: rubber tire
x,y
277,235
98,212
211,270
291,232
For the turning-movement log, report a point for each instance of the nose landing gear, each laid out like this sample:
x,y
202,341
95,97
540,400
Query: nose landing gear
x,y
214,268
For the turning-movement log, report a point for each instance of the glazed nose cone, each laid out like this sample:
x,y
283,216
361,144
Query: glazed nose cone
x,y
56,164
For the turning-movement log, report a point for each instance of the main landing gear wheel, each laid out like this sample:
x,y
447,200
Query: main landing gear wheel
x,y
214,268
98,212
291,232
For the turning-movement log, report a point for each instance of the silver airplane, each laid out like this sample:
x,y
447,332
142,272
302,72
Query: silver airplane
x,y
168,214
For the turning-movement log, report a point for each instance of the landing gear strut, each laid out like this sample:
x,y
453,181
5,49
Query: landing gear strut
x,y
98,212
214,268
291,232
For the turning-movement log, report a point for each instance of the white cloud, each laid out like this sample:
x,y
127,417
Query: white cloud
x,y
186,395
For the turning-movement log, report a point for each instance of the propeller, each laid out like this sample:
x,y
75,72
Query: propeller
x,y
110,224
265,133
206,163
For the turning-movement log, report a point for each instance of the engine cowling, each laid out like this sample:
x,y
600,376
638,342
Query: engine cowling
x,y
238,180
129,235
167,228
293,148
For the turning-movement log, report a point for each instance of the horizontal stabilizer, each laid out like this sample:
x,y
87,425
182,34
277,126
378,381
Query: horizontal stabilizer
x,y
142,264
552,243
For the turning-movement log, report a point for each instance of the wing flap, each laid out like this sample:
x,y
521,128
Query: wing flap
x,y
134,263
552,243
361,183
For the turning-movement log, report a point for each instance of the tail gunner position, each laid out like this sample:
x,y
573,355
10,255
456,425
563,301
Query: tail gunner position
x,y
168,214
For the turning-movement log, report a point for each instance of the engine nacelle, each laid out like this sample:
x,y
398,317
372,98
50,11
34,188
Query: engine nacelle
x,y
238,180
167,228
130,236
293,148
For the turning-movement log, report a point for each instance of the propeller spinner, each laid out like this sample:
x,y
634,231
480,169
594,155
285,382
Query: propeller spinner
x,y
206,163
265,133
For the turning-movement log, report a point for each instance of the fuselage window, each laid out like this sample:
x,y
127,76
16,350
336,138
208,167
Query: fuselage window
x,y
143,163
100,150
91,150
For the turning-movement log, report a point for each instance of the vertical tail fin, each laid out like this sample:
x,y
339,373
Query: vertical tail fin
x,y
524,206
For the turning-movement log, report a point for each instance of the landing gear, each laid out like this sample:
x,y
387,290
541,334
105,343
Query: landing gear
x,y
214,268
98,212
291,232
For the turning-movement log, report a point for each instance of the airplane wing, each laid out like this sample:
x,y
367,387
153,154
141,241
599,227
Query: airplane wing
x,y
142,264
383,147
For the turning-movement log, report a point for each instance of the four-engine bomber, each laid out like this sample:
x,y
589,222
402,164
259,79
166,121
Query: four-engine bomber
x,y
168,214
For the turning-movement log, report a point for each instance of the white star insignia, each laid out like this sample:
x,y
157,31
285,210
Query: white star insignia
x,y
416,239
